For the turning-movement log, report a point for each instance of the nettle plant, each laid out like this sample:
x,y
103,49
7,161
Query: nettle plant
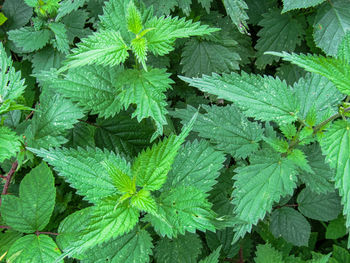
x,y
95,171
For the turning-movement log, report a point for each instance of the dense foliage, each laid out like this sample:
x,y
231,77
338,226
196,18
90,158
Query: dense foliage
x,y
175,131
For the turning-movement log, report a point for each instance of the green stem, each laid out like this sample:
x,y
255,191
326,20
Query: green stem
x,y
325,122
145,226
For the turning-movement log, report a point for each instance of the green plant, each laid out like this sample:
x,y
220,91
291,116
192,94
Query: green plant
x,y
92,96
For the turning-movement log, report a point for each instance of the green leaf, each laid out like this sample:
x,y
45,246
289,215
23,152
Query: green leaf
x,y
53,117
120,173
167,29
226,128
3,18
344,48
67,7
105,47
144,201
291,225
290,73
258,185
109,220
183,249
298,157
197,164
82,135
74,23
324,207
289,5
340,254
182,209
95,93
152,165
331,23
7,239
139,47
133,18
213,257
280,32
12,86
32,210
336,146
336,70
205,57
134,247
320,182
236,9
17,12
28,39
61,39
123,134
146,90
115,18
319,258
47,59
315,91
32,248
267,254
336,228
264,98
9,143
83,170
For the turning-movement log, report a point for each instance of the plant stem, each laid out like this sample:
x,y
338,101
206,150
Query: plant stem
x,y
241,259
325,122
5,227
47,233
8,179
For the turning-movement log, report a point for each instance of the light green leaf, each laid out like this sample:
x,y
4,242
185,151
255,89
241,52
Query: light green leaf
x,y
183,249
144,201
336,228
9,143
298,4
331,23
134,247
167,29
321,180
182,209
336,146
152,165
139,47
115,18
298,157
83,170
61,39
53,117
267,254
3,18
105,47
324,207
258,185
133,18
92,87
197,164
336,70
264,98
12,86
32,248
146,90
340,254
280,32
32,210
236,9
205,57
291,225
213,257
344,48
28,39
120,173
226,128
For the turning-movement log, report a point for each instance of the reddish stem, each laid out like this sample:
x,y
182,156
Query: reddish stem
x,y
5,227
47,233
8,179
3,177
241,260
